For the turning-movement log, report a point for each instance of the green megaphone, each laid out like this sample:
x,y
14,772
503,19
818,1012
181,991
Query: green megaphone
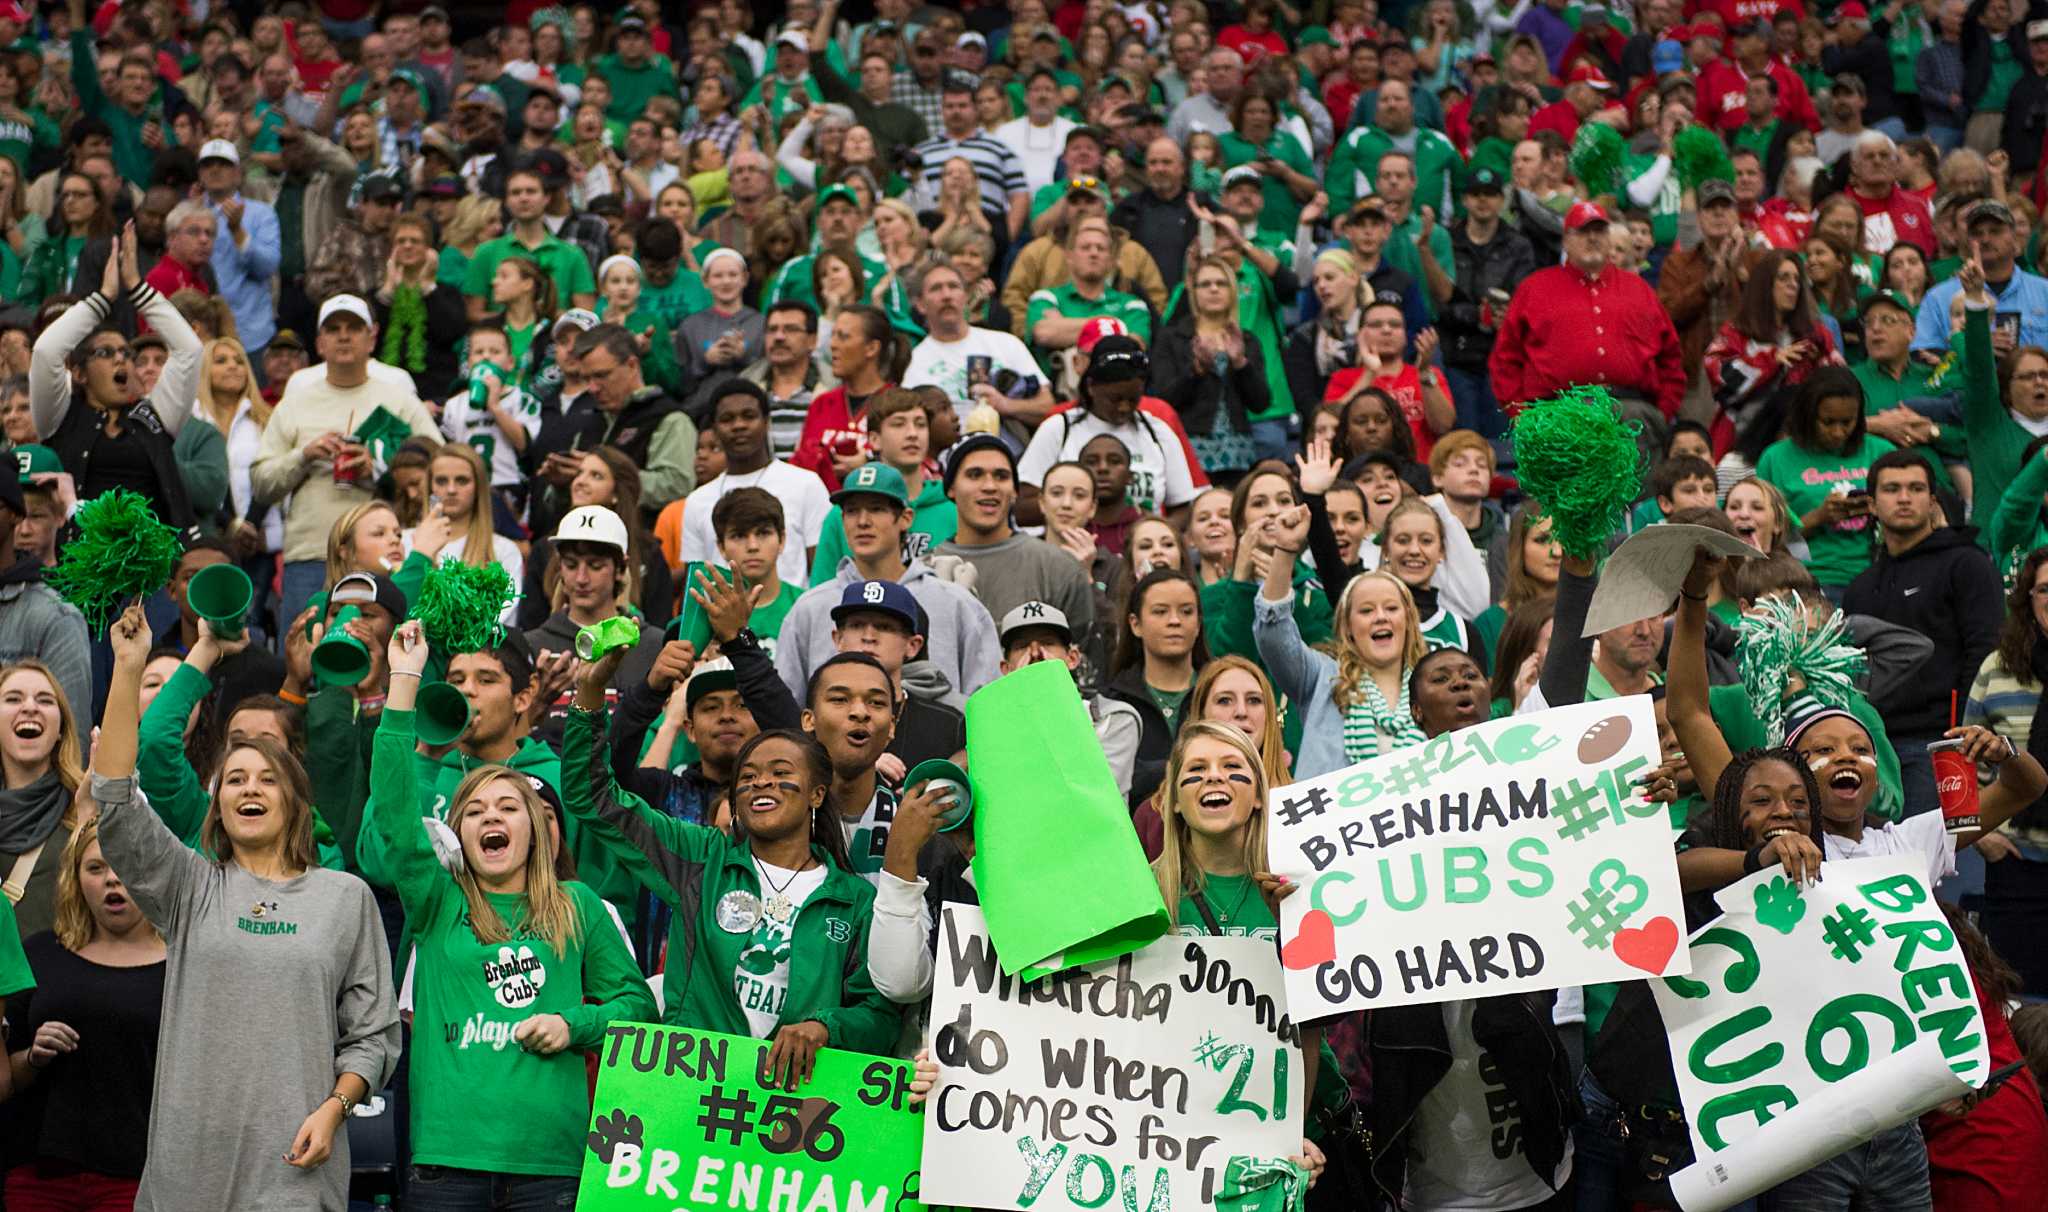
x,y
443,713
221,594
340,659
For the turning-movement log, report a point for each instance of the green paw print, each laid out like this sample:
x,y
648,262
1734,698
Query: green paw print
x,y
1779,905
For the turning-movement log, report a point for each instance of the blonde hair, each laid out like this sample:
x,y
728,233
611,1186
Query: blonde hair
x,y
1781,513
75,925
222,412
1352,671
550,911
1271,746
64,759
342,539
477,547
298,805
1177,877
472,215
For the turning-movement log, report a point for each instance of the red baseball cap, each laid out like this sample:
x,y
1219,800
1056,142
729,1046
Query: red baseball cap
x,y
11,10
1098,328
1852,11
1583,215
1586,73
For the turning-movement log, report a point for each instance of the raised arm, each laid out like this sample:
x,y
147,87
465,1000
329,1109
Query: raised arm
x,y
394,808
1692,718
1278,637
154,864
1566,662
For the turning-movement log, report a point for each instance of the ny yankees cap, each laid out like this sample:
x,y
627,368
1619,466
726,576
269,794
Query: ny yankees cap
x,y
1035,614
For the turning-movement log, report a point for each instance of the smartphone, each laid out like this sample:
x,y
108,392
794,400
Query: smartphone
x,y
979,368
1999,1076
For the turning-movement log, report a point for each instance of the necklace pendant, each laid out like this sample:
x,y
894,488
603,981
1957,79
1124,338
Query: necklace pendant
x,y
778,908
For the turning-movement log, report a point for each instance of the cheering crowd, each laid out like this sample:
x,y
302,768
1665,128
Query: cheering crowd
x,y
859,357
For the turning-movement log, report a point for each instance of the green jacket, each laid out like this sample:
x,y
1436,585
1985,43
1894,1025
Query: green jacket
x,y
202,455
163,774
1997,442
2017,526
1437,169
469,995
692,869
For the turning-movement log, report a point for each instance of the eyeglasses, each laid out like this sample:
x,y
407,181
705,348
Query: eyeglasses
x,y
110,353
2029,376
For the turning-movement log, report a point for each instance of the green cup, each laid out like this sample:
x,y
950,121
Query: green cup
x,y
594,641
340,659
221,594
443,713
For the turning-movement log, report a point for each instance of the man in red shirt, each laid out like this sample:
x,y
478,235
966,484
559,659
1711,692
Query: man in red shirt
x,y
1724,85
1586,322
188,246
1890,214
1585,90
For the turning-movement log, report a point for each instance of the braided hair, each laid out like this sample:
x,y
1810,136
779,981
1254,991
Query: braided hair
x,y
1724,820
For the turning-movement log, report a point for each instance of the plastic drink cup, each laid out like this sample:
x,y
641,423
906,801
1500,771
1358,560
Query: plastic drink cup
x,y
1955,782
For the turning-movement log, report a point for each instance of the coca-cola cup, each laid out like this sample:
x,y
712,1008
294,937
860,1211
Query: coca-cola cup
x,y
1955,782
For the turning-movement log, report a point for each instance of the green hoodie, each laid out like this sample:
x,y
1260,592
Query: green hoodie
x,y
173,787
469,995
2017,527
693,869
934,521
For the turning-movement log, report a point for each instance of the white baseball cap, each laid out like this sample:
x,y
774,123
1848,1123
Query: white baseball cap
x,y
592,524
219,149
348,304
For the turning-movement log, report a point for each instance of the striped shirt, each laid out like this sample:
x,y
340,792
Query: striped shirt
x,y
996,166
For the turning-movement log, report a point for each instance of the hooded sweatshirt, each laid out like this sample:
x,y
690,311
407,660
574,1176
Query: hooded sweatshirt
x,y
933,521
36,624
1946,588
960,635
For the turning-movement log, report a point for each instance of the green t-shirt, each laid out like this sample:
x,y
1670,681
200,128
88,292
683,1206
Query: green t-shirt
x,y
1838,553
14,970
634,87
1281,213
677,300
1757,138
563,261
2005,72
1067,302
1881,392
792,283
933,520
1169,703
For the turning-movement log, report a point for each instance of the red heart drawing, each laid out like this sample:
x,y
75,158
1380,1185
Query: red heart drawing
x,y
1649,948
1315,943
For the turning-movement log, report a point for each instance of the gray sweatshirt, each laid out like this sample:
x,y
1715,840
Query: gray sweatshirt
x,y
1024,568
36,624
273,990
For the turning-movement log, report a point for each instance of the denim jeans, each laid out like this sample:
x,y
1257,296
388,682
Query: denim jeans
x,y
1947,138
446,1189
302,579
1888,1172
1472,393
1916,774
1274,439
1600,1158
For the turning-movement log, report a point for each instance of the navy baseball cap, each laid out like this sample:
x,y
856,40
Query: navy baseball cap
x,y
888,597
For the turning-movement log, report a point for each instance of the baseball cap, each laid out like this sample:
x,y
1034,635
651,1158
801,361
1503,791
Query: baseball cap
x,y
1370,204
708,677
582,319
1848,82
1989,208
1098,328
1755,27
286,338
969,445
1035,614
1118,359
219,149
344,305
1085,131
1484,181
2037,30
874,480
552,166
630,23
381,187
971,38
1589,11
1088,185
444,187
1851,11
1586,73
838,193
795,39
887,597
592,524
434,12
1666,57
1243,174
1315,35
1715,190
364,588
32,460
1583,215
1887,298
486,96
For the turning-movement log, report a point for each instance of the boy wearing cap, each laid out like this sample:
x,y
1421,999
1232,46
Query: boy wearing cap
x,y
748,522
899,429
591,554
883,620
246,246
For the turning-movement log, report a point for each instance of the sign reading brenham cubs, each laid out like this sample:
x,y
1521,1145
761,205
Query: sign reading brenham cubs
x,y
1814,1019
1131,1083
687,1119
1514,855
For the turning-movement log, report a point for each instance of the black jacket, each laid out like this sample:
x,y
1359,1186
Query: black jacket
x,y
1155,742
83,429
1870,60
2026,122
1410,1052
1946,588
1977,47
1196,392
1167,229
1499,264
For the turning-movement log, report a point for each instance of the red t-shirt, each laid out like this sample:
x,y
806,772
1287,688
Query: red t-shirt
x,y
1995,1159
1253,47
1405,385
1897,216
169,275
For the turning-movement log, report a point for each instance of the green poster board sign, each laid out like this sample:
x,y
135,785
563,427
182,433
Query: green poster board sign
x,y
684,1118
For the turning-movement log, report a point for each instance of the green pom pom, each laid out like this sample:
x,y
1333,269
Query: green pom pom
x,y
1579,461
1699,155
1775,640
1596,159
122,553
459,606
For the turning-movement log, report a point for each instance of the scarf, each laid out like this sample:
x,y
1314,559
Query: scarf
x,y
29,815
405,330
1337,350
1370,716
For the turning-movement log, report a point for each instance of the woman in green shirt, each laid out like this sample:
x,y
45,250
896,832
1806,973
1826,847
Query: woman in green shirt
x,y
80,215
1822,466
519,971
1289,177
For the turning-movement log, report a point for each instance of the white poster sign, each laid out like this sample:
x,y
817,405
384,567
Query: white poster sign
x,y
1510,856
1131,1083
1814,1019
